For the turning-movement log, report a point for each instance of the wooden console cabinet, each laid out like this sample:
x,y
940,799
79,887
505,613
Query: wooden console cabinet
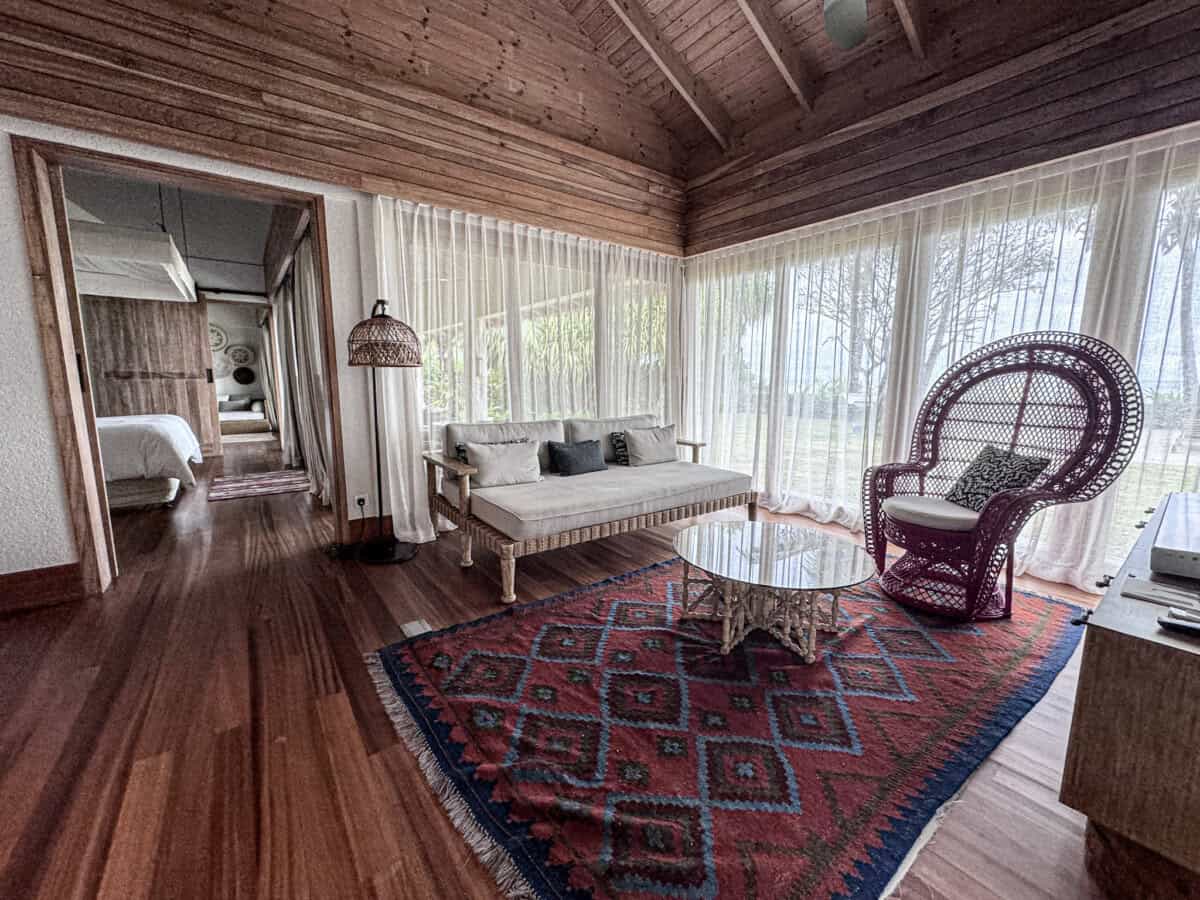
x,y
1133,759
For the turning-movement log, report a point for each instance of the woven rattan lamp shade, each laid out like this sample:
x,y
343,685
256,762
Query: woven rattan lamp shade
x,y
383,341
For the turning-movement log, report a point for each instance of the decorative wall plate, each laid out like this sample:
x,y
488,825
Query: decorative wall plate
x,y
240,354
242,375
218,340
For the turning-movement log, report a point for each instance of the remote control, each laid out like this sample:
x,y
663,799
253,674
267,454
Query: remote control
x,y
1189,628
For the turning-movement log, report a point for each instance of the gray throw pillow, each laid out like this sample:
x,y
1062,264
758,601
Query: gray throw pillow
x,y
501,464
994,470
648,446
578,458
239,405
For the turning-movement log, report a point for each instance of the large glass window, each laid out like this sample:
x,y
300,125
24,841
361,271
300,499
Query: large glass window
x,y
819,345
519,323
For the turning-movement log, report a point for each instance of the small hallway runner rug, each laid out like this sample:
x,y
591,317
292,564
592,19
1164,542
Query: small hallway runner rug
x,y
283,481
594,745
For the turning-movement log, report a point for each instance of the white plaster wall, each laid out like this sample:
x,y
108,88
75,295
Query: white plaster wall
x,y
34,529
240,324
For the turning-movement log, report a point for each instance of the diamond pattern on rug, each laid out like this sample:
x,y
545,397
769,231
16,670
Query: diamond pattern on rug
x,y
813,720
642,698
551,747
657,845
568,643
611,750
497,676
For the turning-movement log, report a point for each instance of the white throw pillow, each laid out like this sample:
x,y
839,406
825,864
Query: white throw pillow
x,y
648,446
500,464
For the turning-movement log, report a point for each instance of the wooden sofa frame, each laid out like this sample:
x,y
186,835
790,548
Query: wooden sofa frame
x,y
471,529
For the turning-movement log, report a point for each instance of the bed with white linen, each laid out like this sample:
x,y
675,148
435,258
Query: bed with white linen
x,y
146,458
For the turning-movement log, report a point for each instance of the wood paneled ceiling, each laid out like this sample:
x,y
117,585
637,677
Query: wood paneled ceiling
x,y
658,123
774,77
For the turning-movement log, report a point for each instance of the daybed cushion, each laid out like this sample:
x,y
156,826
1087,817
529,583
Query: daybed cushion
x,y
504,433
524,511
930,512
601,430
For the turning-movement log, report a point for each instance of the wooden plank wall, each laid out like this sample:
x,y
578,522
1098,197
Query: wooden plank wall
x,y
1069,96
147,356
455,103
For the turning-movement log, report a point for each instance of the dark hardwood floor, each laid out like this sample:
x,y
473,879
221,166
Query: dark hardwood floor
x,y
208,728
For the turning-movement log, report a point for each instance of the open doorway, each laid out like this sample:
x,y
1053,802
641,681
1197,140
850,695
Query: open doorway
x,y
197,311
245,372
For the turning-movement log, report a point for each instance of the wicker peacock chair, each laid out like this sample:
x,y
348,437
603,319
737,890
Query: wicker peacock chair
x,y
1068,397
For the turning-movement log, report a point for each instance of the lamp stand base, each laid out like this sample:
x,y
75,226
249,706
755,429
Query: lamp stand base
x,y
381,551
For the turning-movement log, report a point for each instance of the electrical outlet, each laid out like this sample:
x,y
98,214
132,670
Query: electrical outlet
x,y
360,500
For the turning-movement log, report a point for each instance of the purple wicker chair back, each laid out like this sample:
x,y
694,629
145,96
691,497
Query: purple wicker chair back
x,y
1067,397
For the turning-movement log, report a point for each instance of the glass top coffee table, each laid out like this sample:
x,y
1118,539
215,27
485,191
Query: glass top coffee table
x,y
771,576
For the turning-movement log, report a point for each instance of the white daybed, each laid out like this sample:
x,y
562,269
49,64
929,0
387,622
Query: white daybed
x,y
518,519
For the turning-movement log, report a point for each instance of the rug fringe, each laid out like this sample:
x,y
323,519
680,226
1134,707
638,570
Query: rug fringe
x,y
494,857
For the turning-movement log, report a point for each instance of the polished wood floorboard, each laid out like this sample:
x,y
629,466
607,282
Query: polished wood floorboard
x,y
208,728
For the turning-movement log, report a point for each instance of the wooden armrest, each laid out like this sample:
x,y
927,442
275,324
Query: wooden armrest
x,y
449,463
681,442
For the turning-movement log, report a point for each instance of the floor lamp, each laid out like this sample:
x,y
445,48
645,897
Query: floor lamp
x,y
383,342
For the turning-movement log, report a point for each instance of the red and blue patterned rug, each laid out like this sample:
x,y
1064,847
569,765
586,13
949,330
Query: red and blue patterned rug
x,y
594,745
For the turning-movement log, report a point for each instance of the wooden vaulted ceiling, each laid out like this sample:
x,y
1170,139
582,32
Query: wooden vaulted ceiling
x,y
769,74
679,125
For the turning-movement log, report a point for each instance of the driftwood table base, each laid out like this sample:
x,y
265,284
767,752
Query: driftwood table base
x,y
792,617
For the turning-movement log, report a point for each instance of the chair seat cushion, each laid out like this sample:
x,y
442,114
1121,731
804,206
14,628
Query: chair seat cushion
x,y
524,511
930,512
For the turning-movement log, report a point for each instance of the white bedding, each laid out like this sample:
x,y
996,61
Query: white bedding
x,y
156,446
241,416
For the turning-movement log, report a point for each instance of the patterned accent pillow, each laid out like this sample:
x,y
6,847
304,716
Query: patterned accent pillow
x,y
991,471
620,448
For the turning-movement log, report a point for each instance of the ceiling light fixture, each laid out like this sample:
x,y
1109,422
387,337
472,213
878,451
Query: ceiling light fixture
x,y
846,22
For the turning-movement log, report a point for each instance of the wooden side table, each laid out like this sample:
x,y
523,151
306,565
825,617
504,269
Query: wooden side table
x,y
1133,758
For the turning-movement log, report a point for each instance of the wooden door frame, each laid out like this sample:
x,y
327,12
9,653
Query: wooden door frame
x,y
56,304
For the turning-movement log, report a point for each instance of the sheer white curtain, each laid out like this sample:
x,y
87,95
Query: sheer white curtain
x,y
521,323
827,338
266,365
516,323
785,360
306,433
289,438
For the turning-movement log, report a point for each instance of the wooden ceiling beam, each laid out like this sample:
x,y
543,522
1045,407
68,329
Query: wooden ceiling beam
x,y
781,48
912,19
697,95
288,224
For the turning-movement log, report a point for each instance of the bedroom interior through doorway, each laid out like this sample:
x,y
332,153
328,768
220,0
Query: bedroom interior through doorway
x,y
40,169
